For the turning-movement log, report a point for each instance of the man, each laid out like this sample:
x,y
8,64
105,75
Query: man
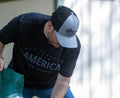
x,y
45,51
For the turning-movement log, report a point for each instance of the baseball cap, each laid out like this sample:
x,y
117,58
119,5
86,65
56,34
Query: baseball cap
x,y
65,23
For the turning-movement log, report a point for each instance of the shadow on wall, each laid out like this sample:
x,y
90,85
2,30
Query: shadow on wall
x,y
6,0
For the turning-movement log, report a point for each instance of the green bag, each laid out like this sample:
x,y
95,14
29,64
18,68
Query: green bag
x,y
11,84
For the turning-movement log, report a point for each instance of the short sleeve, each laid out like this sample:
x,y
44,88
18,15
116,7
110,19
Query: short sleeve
x,y
69,61
8,32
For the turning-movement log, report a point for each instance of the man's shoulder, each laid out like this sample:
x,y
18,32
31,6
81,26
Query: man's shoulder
x,y
33,17
78,42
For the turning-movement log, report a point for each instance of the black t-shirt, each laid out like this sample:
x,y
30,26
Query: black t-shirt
x,y
33,56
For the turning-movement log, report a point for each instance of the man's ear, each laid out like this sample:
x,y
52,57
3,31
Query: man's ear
x,y
50,26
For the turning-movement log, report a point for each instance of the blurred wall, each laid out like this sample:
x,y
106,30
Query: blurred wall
x,y
10,9
97,72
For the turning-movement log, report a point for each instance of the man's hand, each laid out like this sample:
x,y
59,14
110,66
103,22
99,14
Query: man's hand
x,y
1,63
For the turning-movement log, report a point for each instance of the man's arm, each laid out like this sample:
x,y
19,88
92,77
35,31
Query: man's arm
x,y
1,58
61,87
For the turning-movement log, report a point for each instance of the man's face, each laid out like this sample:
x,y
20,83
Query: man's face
x,y
52,38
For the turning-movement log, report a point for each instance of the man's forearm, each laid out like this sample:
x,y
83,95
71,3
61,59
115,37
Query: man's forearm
x,y
60,87
1,48
1,58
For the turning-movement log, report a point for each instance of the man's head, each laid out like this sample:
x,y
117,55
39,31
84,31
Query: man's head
x,y
65,25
